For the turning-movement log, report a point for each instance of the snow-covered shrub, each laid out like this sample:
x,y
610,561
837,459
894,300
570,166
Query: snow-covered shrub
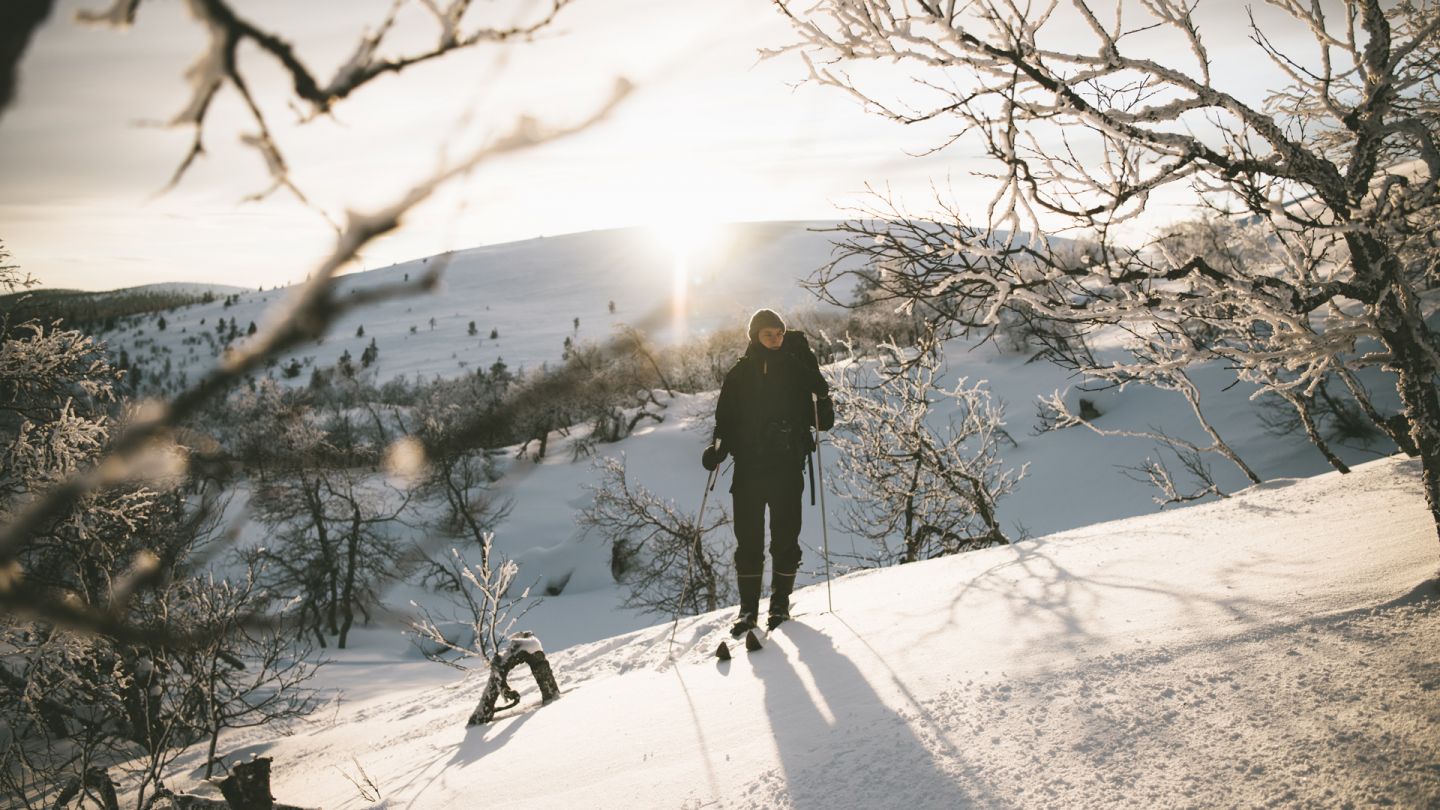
x,y
919,469
484,606
101,663
661,554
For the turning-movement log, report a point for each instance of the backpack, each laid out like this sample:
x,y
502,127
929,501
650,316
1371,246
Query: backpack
x,y
798,346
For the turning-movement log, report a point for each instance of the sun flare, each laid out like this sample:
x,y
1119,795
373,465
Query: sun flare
x,y
686,240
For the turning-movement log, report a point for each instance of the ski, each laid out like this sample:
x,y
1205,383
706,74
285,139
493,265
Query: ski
x,y
754,636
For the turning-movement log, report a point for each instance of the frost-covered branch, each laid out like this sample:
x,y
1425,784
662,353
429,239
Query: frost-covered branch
x,y
482,592
916,483
10,277
1312,248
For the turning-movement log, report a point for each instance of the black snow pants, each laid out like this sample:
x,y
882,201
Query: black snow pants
x,y
779,488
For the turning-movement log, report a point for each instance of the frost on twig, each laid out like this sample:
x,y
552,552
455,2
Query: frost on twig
x,y
483,591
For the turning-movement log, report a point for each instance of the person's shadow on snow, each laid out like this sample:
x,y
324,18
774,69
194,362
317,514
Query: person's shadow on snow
x,y
869,754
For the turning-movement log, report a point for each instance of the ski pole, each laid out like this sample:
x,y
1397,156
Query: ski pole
x,y
690,551
824,525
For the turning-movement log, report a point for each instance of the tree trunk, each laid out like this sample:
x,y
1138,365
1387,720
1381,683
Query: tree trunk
x,y
327,553
142,709
352,554
912,542
1422,408
214,715
1403,331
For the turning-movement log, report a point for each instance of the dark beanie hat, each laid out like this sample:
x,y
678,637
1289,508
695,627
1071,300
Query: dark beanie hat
x,y
764,319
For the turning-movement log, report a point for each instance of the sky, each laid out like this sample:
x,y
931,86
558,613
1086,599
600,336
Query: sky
x,y
712,134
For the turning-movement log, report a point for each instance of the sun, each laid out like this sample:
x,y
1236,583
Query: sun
x,y
685,241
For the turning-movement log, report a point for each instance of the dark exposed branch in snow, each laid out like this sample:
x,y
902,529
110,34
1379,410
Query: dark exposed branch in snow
x,y
521,648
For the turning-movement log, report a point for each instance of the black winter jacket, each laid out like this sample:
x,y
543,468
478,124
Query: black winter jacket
x,y
764,414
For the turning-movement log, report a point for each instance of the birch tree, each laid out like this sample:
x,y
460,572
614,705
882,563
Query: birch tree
x,y
1089,112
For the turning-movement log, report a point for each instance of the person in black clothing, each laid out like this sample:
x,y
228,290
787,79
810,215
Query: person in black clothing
x,y
768,403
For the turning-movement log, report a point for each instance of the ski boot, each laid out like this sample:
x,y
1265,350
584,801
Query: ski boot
x,y
779,600
744,623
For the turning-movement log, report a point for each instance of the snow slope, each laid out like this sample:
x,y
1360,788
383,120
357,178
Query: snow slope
x,y
531,293
1273,649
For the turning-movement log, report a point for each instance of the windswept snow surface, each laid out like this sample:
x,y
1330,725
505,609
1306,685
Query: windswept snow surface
x,y
1273,649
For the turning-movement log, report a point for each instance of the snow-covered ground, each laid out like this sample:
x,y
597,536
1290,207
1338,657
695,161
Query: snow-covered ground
x,y
1274,649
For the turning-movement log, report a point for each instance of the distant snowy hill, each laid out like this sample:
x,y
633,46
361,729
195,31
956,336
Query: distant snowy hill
x,y
532,295
1275,649
177,287
103,311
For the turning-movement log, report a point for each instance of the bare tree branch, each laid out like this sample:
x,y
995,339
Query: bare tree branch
x,y
308,313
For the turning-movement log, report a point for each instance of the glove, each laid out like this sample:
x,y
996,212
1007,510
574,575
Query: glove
x,y
825,413
712,458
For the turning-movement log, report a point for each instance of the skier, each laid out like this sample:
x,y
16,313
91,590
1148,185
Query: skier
x,y
763,418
